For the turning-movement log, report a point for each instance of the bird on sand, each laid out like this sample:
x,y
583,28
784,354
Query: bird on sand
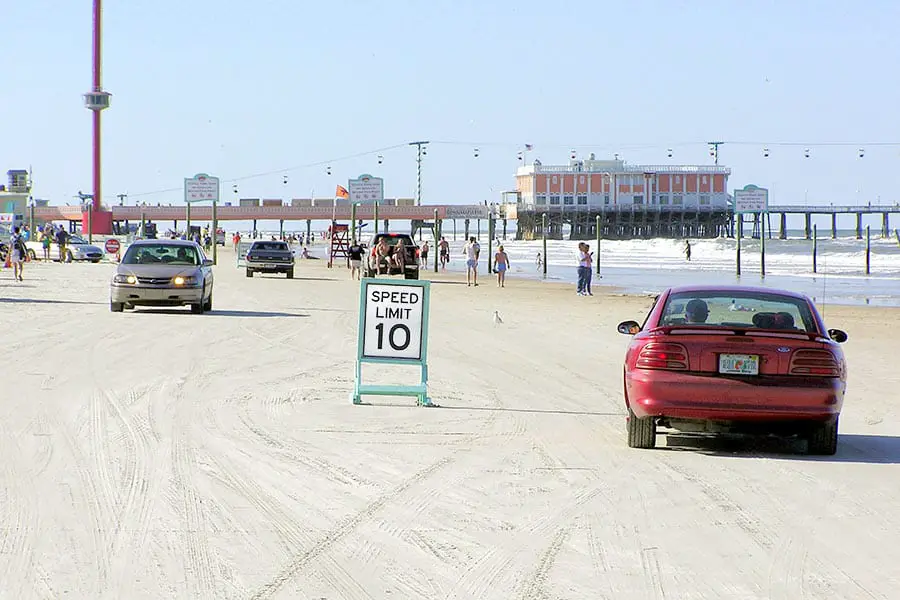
x,y
497,319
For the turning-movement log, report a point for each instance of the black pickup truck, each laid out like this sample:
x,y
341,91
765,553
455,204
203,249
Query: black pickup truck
x,y
270,257
411,262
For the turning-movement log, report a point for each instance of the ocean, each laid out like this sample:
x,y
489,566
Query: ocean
x,y
649,266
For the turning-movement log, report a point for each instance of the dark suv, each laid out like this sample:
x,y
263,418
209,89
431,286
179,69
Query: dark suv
x,y
270,257
411,264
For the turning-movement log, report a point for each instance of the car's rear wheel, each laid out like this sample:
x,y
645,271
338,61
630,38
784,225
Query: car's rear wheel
x,y
249,273
823,438
116,306
290,274
641,432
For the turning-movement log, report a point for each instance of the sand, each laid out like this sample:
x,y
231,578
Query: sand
x,y
160,454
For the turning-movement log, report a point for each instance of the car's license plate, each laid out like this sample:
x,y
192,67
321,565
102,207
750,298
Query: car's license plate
x,y
739,364
270,266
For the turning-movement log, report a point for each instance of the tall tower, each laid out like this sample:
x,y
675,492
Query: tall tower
x,y
96,100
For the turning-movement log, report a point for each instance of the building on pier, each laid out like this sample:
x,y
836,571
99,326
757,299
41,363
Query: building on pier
x,y
629,200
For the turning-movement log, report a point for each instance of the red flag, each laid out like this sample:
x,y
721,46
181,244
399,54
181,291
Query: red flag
x,y
341,192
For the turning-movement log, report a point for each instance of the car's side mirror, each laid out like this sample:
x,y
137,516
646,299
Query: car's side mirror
x,y
837,335
628,327
207,262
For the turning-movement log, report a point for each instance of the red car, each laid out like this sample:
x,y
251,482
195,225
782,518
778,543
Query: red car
x,y
734,359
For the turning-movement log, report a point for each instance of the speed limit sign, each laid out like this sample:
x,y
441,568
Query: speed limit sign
x,y
393,328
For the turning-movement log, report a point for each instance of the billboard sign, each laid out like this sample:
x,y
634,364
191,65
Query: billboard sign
x,y
751,199
366,189
201,188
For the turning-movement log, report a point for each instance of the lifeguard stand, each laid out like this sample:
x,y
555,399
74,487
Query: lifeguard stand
x,y
340,243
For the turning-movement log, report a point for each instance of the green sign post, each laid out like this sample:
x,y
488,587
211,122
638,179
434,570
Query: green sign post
x,y
393,329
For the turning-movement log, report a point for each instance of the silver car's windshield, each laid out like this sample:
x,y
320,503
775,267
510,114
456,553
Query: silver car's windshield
x,y
161,254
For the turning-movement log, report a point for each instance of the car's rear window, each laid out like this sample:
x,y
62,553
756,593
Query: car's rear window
x,y
154,254
276,246
743,310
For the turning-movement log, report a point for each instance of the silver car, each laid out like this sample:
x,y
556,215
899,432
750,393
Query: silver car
x,y
163,273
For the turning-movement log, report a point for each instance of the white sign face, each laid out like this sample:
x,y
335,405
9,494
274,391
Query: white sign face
x,y
366,189
751,201
393,322
201,188
477,211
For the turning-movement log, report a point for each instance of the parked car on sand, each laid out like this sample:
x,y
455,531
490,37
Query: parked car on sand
x,y
162,273
734,359
77,249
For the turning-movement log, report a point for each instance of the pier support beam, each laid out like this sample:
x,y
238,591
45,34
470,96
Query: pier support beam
x,y
308,230
281,229
254,229
504,228
467,230
885,225
859,228
808,226
387,225
782,231
834,226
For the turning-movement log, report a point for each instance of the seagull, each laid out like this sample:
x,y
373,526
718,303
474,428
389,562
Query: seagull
x,y
497,319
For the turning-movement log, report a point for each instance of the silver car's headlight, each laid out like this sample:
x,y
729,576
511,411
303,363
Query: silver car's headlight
x,y
131,279
182,280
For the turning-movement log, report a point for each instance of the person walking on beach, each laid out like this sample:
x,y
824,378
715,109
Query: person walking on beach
x,y
501,264
472,250
424,253
17,253
537,261
356,253
587,262
46,240
444,248
61,238
687,250
584,269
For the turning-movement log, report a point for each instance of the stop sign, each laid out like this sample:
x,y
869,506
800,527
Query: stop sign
x,y
112,245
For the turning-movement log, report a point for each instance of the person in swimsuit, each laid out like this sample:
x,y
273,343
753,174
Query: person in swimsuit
x,y
501,264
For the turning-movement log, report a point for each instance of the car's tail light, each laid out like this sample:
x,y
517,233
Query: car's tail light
x,y
417,253
819,363
663,355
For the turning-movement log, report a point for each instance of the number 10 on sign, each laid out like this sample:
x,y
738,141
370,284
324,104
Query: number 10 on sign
x,y
393,328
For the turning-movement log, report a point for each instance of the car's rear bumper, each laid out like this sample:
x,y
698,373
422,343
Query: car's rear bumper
x,y
709,397
268,267
156,296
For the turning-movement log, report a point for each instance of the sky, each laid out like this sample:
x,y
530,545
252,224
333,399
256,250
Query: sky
x,y
253,91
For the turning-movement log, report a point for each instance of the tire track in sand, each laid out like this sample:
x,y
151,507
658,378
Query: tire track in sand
x,y
483,576
20,523
344,529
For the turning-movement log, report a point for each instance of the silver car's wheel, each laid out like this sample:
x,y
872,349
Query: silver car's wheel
x,y
116,306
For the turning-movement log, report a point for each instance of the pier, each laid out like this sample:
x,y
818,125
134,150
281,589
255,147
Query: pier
x,y
616,221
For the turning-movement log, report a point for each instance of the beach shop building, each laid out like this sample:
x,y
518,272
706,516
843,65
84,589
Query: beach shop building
x,y
631,200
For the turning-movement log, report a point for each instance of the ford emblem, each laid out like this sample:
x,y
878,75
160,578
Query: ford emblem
x,y
783,349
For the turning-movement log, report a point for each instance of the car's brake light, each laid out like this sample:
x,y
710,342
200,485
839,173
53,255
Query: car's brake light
x,y
819,363
663,355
